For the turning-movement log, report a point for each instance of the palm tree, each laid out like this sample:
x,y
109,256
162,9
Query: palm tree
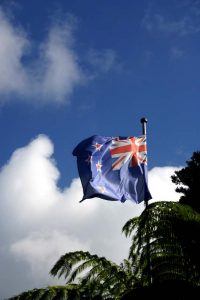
x,y
102,279
165,240
106,277
164,252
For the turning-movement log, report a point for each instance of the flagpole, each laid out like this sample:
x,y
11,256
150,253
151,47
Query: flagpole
x,y
144,132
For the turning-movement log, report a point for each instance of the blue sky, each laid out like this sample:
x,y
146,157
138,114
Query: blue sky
x,y
71,69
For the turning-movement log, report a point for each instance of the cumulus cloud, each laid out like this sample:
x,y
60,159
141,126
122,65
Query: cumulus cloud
x,y
61,71
13,46
160,184
52,76
41,249
39,222
54,71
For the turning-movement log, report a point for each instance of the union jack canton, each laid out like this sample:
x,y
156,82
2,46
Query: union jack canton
x,y
113,168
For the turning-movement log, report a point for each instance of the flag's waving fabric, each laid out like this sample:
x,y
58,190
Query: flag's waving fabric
x,y
113,168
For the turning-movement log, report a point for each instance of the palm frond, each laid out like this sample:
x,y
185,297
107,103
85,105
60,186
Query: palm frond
x,y
66,262
130,226
165,242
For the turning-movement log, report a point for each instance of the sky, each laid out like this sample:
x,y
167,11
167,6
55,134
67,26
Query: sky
x,y
69,70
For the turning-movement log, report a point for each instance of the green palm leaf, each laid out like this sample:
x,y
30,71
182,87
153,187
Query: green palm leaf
x,y
165,241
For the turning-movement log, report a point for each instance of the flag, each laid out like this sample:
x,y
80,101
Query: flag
x,y
113,168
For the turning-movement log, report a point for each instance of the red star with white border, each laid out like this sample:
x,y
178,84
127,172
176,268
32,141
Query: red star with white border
x,y
102,189
98,146
98,166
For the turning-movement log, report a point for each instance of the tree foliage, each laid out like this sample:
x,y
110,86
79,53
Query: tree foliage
x,y
70,292
166,243
188,182
109,278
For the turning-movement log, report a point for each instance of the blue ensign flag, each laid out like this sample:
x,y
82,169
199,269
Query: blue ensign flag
x,y
113,168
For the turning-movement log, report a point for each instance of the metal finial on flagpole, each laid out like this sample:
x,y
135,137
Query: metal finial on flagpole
x,y
144,125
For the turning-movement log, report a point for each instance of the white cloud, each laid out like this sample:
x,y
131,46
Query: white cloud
x,y
50,77
157,22
25,176
160,184
102,61
42,249
13,46
61,68
53,72
39,222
